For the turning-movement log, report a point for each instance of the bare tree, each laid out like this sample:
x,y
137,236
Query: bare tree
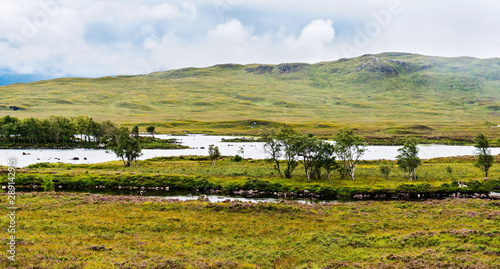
x,y
272,147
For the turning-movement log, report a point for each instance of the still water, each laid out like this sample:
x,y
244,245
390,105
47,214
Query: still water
x,y
199,147
193,196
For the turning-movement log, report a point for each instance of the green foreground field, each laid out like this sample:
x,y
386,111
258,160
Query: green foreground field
x,y
68,230
230,175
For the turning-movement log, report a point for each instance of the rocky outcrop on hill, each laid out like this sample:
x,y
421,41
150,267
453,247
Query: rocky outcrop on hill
x,y
373,64
279,69
288,68
261,69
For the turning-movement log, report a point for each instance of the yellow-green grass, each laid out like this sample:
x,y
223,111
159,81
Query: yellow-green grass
x,y
227,172
452,96
384,133
63,230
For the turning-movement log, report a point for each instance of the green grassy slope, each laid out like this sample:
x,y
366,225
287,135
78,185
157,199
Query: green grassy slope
x,y
389,90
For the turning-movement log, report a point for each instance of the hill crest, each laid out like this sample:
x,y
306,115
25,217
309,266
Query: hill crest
x,y
386,88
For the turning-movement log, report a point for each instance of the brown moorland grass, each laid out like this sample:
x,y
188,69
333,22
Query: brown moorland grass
x,y
68,230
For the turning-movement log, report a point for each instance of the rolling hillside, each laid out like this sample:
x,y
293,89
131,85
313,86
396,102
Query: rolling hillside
x,y
389,89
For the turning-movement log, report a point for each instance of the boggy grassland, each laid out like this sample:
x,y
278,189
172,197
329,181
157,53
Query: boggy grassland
x,y
191,173
80,230
68,230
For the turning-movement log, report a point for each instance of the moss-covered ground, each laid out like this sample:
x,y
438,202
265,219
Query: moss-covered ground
x,y
68,230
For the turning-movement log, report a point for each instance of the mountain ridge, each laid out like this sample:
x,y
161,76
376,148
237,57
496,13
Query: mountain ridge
x,y
374,89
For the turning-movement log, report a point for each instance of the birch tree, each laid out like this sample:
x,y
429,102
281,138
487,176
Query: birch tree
x,y
484,158
408,159
349,149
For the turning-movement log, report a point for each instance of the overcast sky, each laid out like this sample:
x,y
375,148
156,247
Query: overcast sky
x,y
93,38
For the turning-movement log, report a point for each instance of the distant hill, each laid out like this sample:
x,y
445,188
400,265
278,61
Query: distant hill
x,y
387,88
8,77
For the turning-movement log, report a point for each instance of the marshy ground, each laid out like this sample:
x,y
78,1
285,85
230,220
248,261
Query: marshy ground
x,y
69,230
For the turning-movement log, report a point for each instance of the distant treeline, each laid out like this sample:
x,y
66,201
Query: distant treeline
x,y
56,130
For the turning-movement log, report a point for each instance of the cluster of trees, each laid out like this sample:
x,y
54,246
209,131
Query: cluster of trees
x,y
54,130
60,130
289,148
281,144
315,155
408,160
125,145
82,129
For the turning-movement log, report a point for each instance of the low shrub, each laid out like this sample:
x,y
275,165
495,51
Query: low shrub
x,y
237,158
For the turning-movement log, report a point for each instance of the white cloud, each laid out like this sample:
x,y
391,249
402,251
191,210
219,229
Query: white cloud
x,y
97,38
438,28
313,42
231,32
57,44
232,42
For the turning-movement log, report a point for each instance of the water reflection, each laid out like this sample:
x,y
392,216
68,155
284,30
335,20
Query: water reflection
x,y
192,196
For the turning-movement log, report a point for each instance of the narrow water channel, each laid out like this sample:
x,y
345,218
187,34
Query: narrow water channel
x,y
192,196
